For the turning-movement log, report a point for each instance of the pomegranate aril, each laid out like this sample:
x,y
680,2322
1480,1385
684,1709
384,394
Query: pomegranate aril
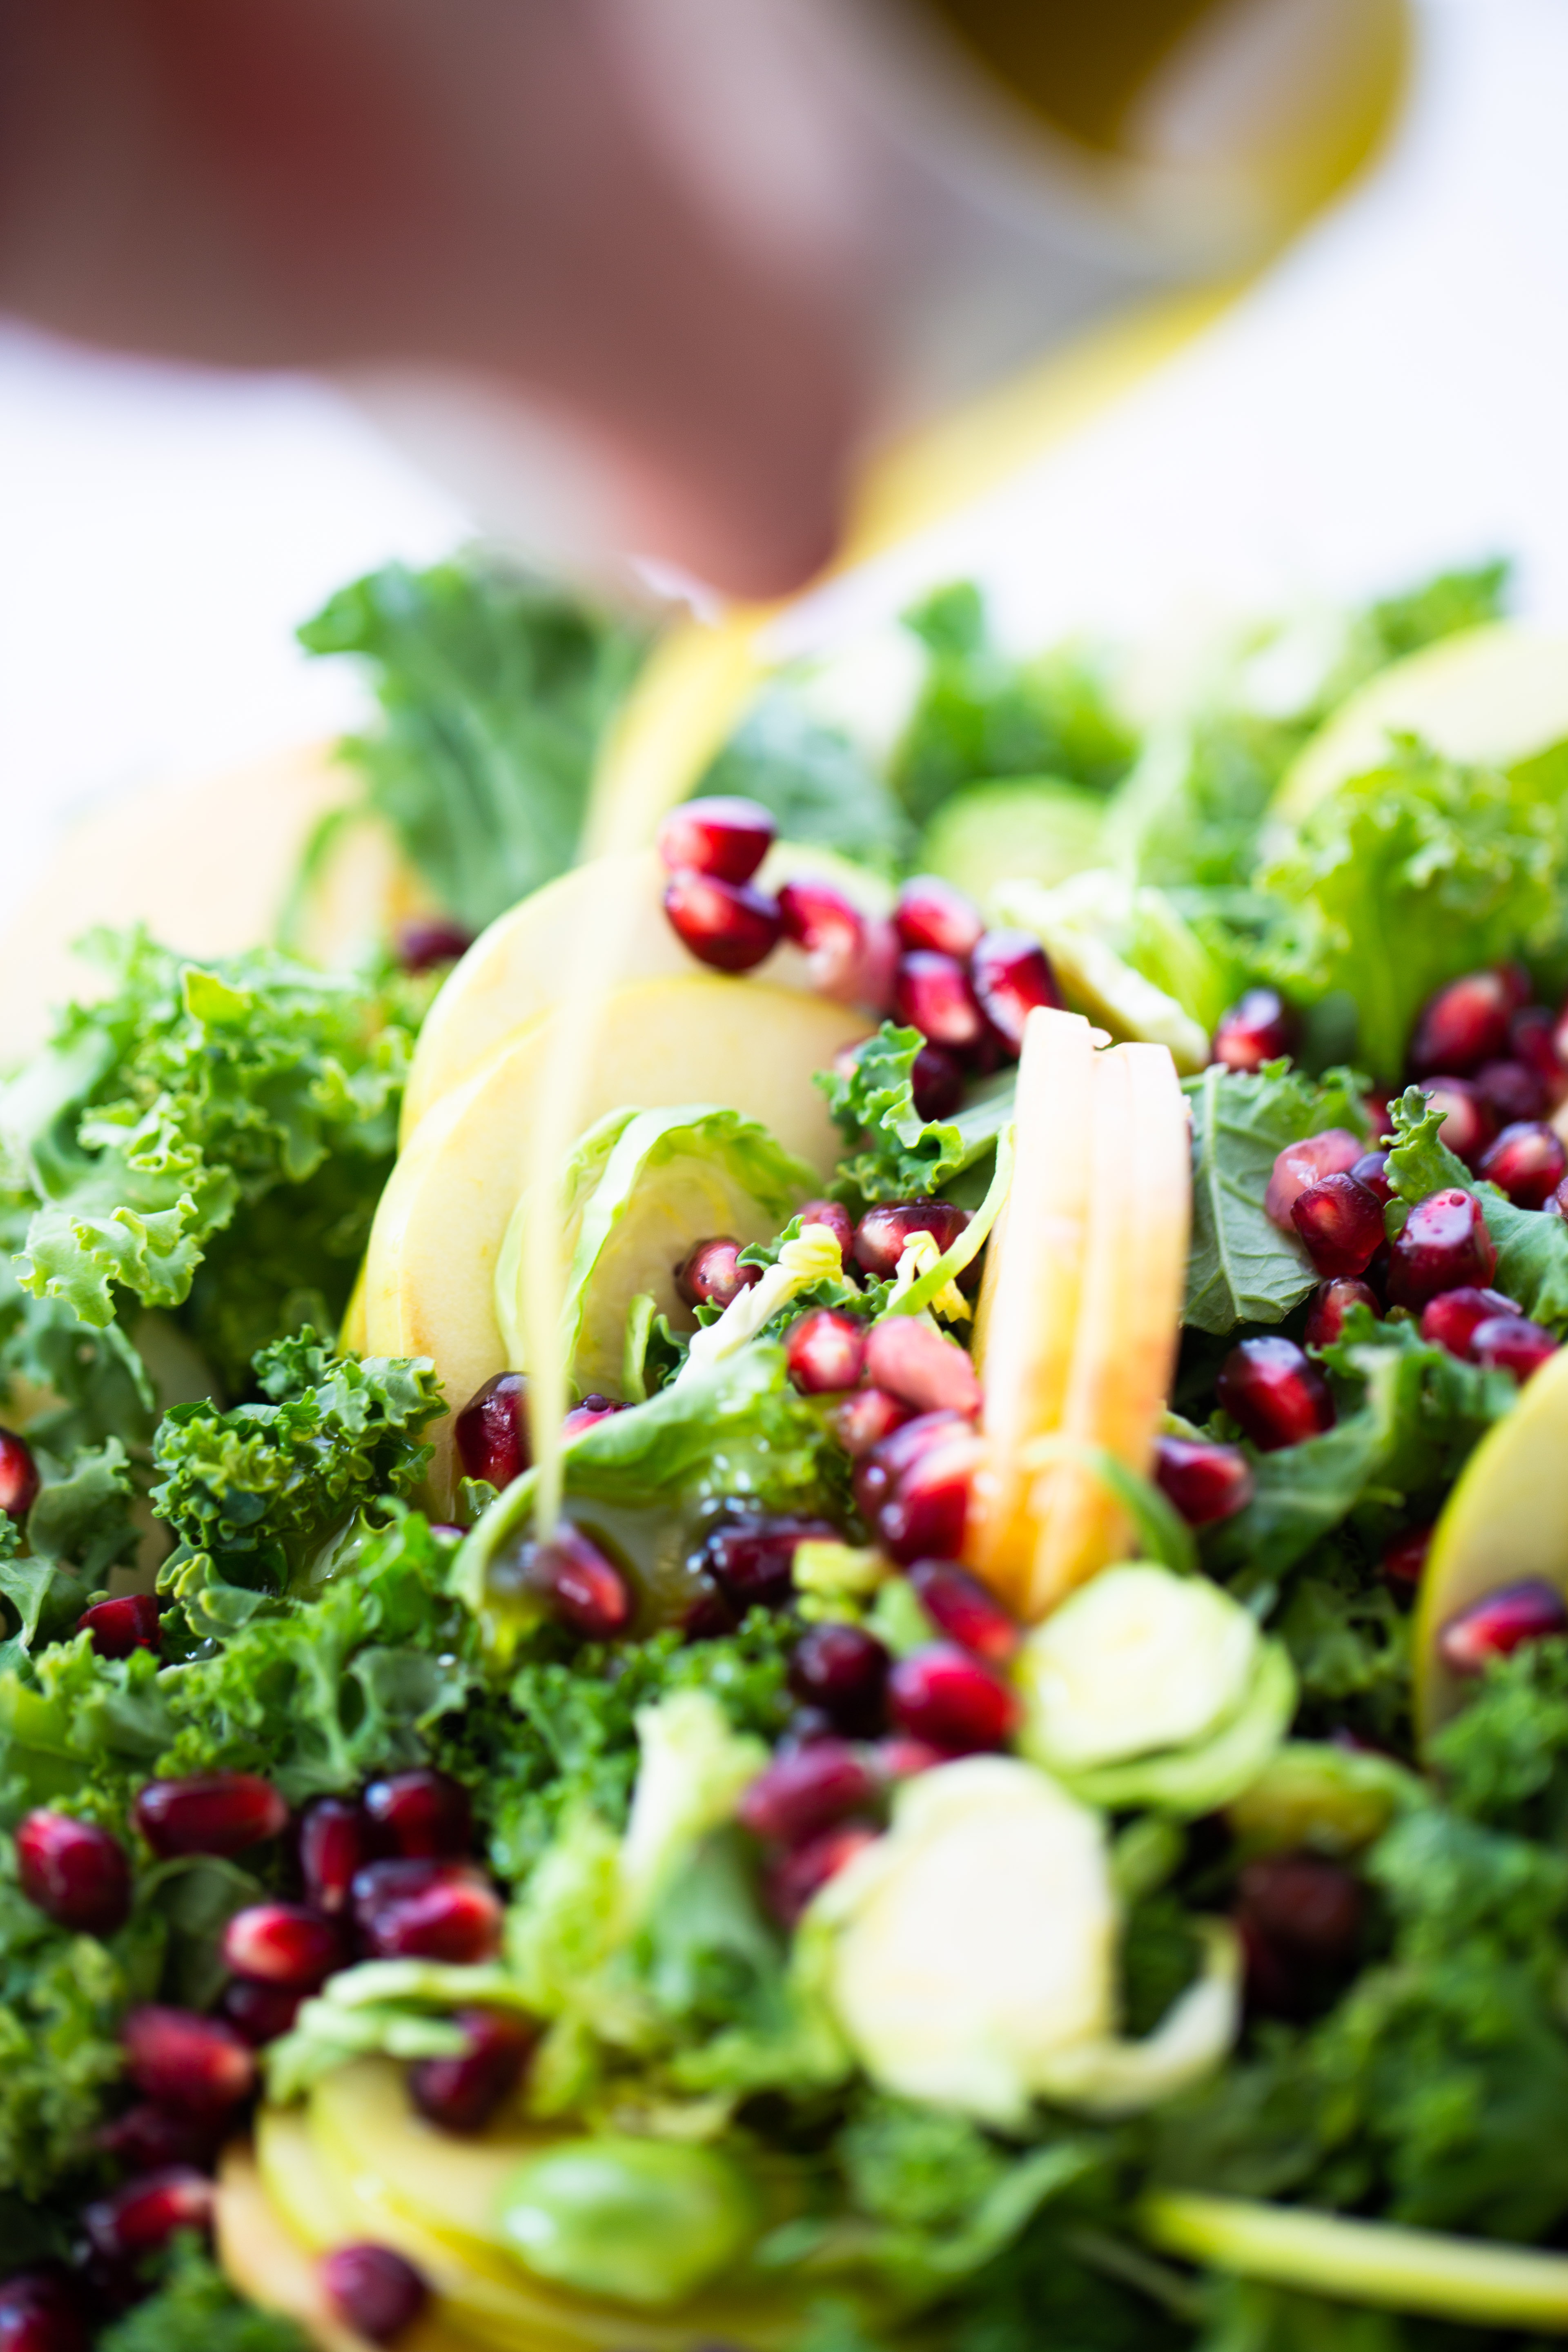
x,y
806,1870
806,1725
925,1515
19,1478
911,1361
711,1274
1205,1481
1511,1344
1451,1319
592,1409
582,1591
863,1420
334,1841
1378,1118
1532,1041
40,2311
1404,1557
825,1351
831,931
965,1611
752,1560
932,993
1332,1153
260,2013
1304,1902
419,1814
806,1790
428,1911
463,2095
1464,1025
147,2139
1341,1223
1372,1169
1276,1392
1444,1245
930,913
1330,1303
1259,1028
880,1471
1517,982
492,1431
884,1233
1527,1161
836,1217
282,1944
900,1758
1512,1091
727,925
1012,978
127,1623
721,835
219,1813
423,945
141,2218
196,2065
951,1701
1468,1125
841,1671
74,1873
936,1082
1508,1616
373,2290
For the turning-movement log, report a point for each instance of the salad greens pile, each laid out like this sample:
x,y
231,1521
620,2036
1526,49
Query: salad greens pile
x,y
189,1172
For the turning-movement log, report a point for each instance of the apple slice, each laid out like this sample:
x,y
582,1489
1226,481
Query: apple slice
x,y
1506,1520
431,1267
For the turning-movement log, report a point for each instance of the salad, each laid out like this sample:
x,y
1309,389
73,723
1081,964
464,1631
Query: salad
x,y
810,1592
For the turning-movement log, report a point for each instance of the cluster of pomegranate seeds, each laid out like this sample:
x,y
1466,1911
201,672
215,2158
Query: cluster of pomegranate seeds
x,y
1329,1305
1340,1221
1258,1029
1527,1161
74,1872
129,1621
19,1479
373,2290
1273,1389
711,848
952,1700
712,1275
1494,1627
1443,1245
1301,1166
1299,1916
968,991
1205,1481
465,2094
927,1507
841,1671
582,1588
427,1910
492,1433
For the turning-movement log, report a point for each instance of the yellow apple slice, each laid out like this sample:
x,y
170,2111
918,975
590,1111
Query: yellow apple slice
x,y
1029,1296
1506,1520
430,1271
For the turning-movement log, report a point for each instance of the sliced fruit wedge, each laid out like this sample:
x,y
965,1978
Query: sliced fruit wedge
x,y
1506,1521
431,1267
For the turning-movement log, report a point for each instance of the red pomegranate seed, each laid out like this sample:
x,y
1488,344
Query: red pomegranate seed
x,y
913,1362
216,1812
259,2012
1512,1091
1464,1025
825,1351
492,1430
586,1593
282,1944
373,2290
932,914
1372,1169
1527,1161
419,1814
951,1700
41,2311
883,1234
836,1217
1205,1482
863,1420
841,1671
334,1841
1516,980
592,1409
1467,1123
148,2138
1404,1557
1332,1153
1511,1344
463,2095
900,1758
74,1873
1276,1392
1445,1245
892,1456
1378,1116
129,1621
806,1791
1340,1222
932,993
19,1479
428,1911
141,2218
1305,1901
726,924
925,1515
1532,1041
421,945
1330,1303
936,1081
712,1275
1530,1611
821,920
198,2065
800,1874
1012,978
721,834
1451,1319
1258,1029
752,1560
965,1611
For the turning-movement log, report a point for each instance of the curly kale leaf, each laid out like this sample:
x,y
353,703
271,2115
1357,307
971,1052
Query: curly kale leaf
x,y
195,2310
1504,1760
813,781
61,2000
1241,1267
895,1155
79,1526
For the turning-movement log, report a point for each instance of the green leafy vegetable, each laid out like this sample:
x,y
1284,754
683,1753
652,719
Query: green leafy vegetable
x,y
496,689
1241,1268
1531,1244
195,2310
61,1998
813,781
895,1154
